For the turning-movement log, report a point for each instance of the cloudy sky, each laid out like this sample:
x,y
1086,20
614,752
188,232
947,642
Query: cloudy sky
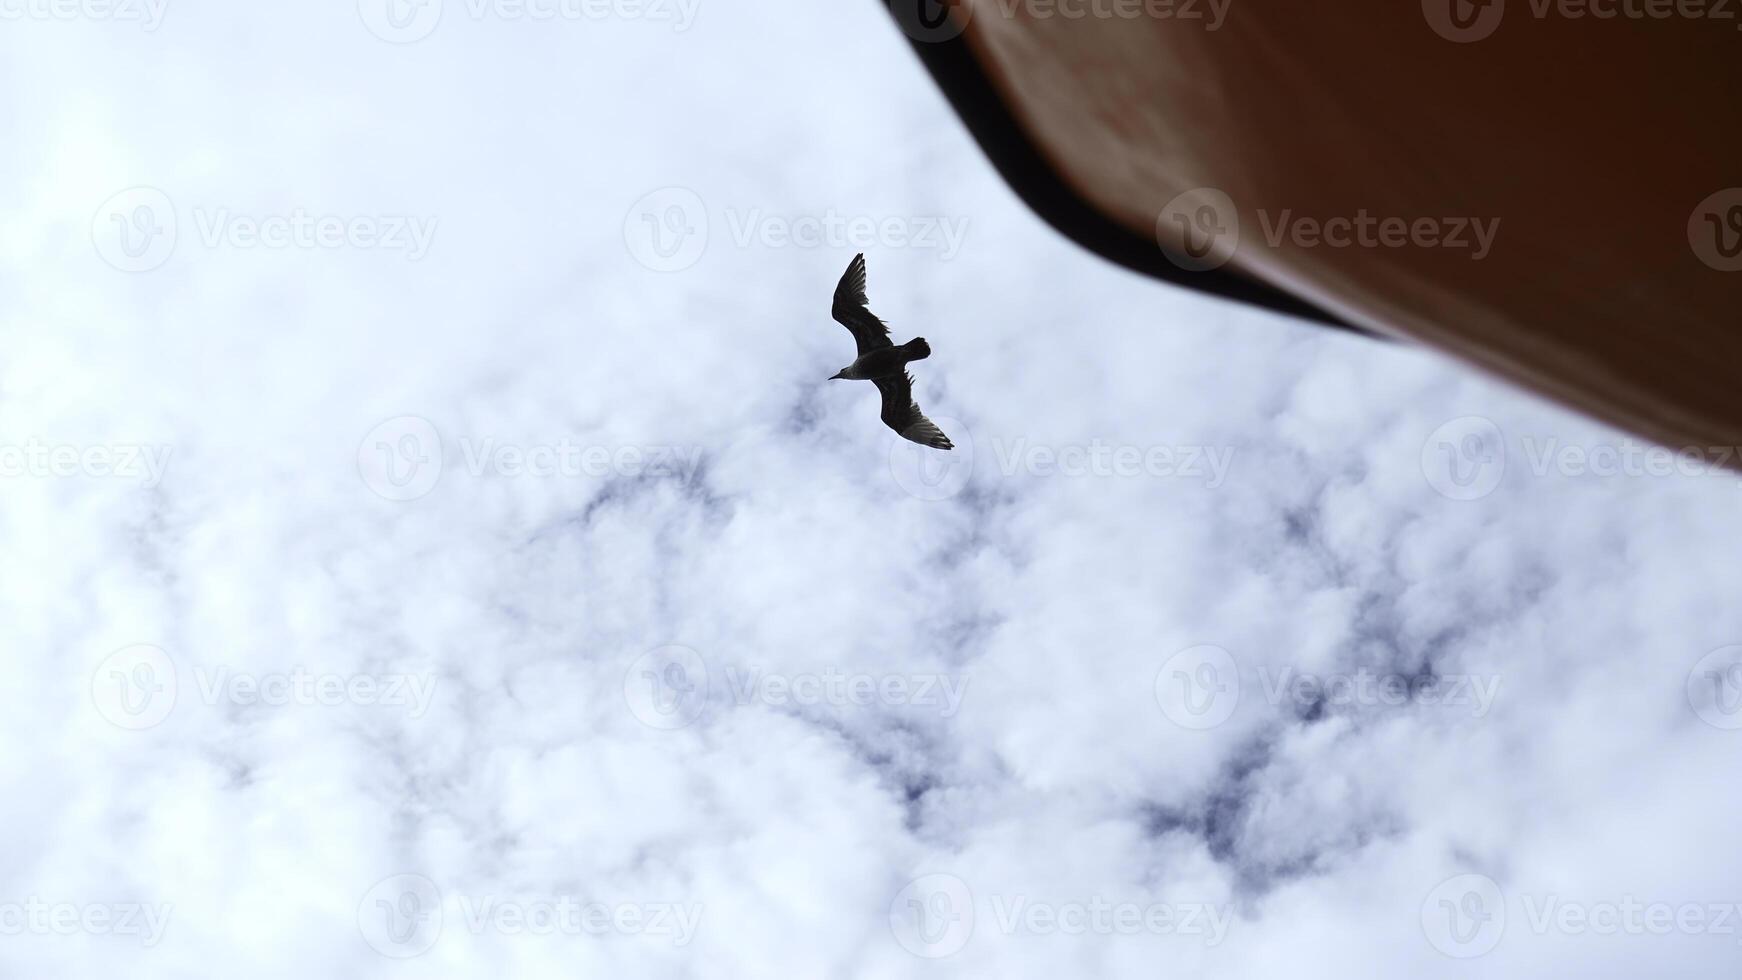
x,y
431,548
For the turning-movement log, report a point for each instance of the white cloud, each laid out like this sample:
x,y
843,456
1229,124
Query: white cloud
x,y
790,549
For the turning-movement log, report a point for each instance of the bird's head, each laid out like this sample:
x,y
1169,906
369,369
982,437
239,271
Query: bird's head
x,y
837,375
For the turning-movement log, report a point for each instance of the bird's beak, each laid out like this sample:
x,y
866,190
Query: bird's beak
x,y
835,377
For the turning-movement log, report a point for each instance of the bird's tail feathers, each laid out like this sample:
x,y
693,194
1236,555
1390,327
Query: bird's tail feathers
x,y
917,349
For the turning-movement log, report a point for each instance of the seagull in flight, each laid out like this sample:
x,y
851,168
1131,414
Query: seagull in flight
x,y
883,363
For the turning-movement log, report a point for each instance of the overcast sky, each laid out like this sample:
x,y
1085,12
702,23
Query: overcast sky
x,y
430,548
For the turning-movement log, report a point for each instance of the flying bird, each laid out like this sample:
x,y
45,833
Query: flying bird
x,y
882,363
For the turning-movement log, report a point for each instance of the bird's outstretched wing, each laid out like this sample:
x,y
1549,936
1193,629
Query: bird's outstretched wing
x,y
902,414
869,332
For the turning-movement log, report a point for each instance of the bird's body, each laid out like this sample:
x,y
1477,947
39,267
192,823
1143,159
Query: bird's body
x,y
882,362
885,361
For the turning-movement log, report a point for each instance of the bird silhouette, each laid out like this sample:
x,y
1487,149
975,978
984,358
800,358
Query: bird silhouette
x,y
883,363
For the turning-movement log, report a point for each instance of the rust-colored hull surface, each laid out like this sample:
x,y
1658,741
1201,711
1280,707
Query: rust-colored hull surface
x,y
1555,198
